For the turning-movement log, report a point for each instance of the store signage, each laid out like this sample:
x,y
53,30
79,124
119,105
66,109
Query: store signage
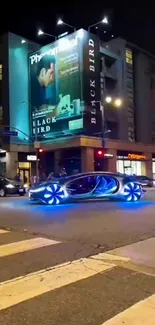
x,y
55,89
9,133
108,155
65,85
31,158
133,156
92,84
63,45
93,80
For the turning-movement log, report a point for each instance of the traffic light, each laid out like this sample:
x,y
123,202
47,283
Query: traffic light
x,y
99,153
99,159
40,153
41,150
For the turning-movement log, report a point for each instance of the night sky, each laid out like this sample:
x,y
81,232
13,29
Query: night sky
x,y
136,25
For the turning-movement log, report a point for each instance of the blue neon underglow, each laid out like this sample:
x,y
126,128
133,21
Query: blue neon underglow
x,y
132,192
54,193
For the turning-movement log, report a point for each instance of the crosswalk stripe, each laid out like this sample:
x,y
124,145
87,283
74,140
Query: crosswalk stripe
x,y
141,313
2,231
21,289
25,245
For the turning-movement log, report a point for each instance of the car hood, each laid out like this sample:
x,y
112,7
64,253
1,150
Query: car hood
x,y
46,183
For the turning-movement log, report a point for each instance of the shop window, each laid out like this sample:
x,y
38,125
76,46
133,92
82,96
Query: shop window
x,y
0,71
25,165
129,167
153,169
129,58
120,166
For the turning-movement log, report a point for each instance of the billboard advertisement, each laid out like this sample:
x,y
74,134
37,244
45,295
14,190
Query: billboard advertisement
x,y
64,85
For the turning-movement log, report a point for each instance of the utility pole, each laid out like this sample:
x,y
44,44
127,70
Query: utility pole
x,y
36,143
36,146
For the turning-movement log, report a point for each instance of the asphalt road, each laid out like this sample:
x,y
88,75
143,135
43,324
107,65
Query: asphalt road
x,y
93,224
36,242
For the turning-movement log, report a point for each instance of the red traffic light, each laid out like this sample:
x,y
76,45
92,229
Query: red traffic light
x,y
40,150
100,153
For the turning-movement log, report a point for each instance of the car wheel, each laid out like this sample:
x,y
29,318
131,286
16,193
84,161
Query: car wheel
x,y
2,192
132,192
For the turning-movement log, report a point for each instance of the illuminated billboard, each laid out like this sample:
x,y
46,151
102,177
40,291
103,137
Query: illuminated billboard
x,y
65,85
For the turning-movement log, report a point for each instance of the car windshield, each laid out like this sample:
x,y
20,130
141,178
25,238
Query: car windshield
x,y
9,180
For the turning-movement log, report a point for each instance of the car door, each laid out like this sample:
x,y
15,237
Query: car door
x,y
105,185
81,187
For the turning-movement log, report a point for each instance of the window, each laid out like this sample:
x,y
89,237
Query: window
x,y
0,71
153,169
120,166
82,185
129,167
129,58
96,185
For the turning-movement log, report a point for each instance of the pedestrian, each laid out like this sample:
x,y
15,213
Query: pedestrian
x,y
63,172
17,177
50,176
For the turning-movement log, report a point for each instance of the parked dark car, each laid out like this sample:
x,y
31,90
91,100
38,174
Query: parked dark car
x,y
145,181
11,187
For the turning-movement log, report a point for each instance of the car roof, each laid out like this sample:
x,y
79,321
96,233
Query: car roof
x,y
68,178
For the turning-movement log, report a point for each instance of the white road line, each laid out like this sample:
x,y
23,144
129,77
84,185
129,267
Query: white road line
x,y
142,313
21,289
110,257
2,231
25,245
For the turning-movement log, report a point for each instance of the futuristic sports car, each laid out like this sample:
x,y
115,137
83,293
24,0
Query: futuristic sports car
x,y
84,186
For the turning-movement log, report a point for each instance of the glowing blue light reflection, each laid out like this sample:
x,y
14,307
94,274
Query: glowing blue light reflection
x,y
106,185
36,190
132,192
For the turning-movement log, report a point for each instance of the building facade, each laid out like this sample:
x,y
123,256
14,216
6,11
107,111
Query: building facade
x,y
61,98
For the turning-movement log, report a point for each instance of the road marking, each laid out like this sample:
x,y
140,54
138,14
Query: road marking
x,y
25,245
2,231
15,291
142,313
110,257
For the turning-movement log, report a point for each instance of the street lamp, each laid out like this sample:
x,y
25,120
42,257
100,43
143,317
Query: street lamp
x,y
103,21
41,32
118,102
61,22
28,42
108,99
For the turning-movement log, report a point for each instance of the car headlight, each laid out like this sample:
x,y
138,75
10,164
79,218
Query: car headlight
x,y
10,186
153,183
25,186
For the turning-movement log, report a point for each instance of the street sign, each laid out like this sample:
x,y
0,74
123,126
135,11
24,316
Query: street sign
x,y
8,133
31,157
